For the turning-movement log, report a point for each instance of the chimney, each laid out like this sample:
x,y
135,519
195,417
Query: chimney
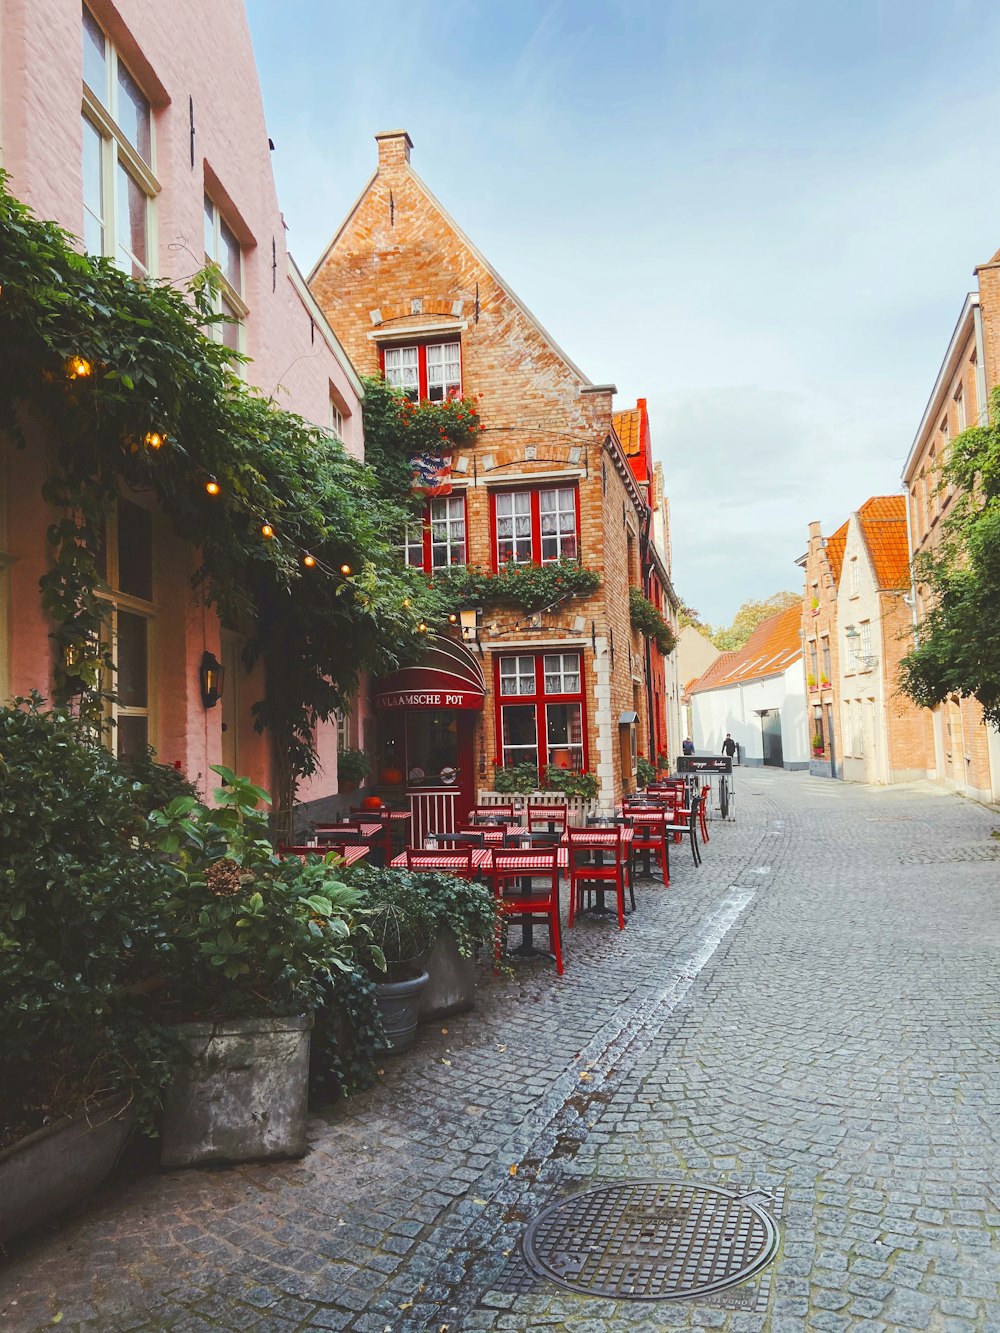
x,y
393,149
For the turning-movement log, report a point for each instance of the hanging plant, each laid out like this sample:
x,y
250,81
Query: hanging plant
x,y
648,621
530,587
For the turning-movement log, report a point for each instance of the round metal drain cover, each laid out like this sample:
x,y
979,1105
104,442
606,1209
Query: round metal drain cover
x,y
650,1241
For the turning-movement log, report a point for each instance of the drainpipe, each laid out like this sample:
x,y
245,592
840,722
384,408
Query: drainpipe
x,y
982,398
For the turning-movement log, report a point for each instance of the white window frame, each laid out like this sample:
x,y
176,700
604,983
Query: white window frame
x,y
404,372
413,544
227,294
447,525
519,503
443,383
118,153
564,538
866,638
561,666
518,674
960,417
147,609
855,576
336,421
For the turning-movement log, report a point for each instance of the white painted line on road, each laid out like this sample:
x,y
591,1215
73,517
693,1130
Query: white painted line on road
x,y
761,870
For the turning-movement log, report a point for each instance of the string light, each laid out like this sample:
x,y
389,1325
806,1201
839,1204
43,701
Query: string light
x,y
453,619
308,560
345,570
421,628
266,531
78,368
406,601
212,486
153,439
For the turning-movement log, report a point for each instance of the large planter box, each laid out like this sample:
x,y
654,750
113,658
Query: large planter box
x,y
58,1166
399,1005
243,1096
452,985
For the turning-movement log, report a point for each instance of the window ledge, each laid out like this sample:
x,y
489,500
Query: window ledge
x,y
415,332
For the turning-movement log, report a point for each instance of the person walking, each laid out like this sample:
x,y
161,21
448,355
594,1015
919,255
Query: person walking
x,y
729,746
687,746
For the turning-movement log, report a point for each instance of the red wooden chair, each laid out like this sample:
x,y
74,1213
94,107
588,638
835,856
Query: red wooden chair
x,y
547,818
649,835
511,870
705,791
492,814
596,858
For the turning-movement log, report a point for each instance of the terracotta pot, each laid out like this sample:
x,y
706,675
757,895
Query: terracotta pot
x,y
391,777
371,803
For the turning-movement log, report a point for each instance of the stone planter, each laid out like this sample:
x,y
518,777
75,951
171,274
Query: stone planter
x,y
399,1005
243,1096
58,1166
452,985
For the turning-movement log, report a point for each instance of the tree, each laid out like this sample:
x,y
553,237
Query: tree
x,y
957,649
751,614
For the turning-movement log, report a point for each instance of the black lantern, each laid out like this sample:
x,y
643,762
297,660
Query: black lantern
x,y
211,675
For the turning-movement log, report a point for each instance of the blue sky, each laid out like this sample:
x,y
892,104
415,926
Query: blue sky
x,y
761,218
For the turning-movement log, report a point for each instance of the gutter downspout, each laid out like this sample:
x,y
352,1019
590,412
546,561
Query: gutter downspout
x,y
982,397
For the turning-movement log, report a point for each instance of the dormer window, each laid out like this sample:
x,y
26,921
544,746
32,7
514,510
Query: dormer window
x,y
425,371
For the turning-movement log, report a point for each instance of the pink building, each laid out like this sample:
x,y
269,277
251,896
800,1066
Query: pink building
x,y
140,128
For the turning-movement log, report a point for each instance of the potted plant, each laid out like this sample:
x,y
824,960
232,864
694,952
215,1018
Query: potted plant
x,y
645,772
516,779
460,916
82,911
811,681
584,786
254,944
395,962
817,745
353,766
825,684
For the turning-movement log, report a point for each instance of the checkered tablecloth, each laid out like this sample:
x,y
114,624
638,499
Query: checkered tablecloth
x,y
349,855
446,861
330,831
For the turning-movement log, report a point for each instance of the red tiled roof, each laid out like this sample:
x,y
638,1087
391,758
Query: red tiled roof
x,y
628,427
835,551
770,649
883,528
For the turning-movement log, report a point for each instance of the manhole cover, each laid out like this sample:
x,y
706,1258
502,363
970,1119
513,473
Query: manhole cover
x,y
650,1241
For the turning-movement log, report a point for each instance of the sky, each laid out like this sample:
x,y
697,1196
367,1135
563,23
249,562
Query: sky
x,y
763,218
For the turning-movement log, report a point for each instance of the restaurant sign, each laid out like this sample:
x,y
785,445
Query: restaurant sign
x,y
712,763
453,698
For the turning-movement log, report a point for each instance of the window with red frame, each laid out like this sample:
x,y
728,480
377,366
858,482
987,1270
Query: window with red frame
x,y
437,540
540,713
425,371
535,526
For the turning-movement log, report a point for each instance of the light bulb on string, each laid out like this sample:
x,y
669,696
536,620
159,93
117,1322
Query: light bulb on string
x,y
266,531
308,560
453,619
422,628
78,367
153,439
212,486
406,601
345,570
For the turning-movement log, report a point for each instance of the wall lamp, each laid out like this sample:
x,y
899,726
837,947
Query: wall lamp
x,y
851,632
468,617
211,675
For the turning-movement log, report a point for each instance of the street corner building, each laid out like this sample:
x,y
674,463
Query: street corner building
x,y
145,138
556,474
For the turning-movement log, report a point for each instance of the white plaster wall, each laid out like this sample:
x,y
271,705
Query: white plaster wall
x,y
863,685
734,708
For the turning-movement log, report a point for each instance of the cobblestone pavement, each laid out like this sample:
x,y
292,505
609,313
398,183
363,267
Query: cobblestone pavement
x,y
812,1014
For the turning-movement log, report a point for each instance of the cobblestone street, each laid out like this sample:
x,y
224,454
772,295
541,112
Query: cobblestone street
x,y
812,1015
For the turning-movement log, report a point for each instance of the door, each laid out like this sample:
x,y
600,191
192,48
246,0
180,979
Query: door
x,y
439,769
770,726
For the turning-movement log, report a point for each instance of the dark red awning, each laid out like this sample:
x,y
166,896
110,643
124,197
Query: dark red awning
x,y
449,676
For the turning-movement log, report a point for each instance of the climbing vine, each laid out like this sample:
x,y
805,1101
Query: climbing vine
x,y
649,621
295,537
530,587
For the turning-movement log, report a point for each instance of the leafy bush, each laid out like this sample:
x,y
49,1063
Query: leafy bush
x,y
517,779
531,587
645,772
82,924
155,784
443,902
353,766
583,785
648,621
249,934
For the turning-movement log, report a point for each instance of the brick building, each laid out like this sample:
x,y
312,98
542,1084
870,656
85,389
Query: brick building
x,y
410,296
821,566
960,751
122,124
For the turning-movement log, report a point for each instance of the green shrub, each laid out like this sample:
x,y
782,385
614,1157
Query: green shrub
x,y
82,924
353,766
583,785
645,772
155,784
520,779
649,621
442,902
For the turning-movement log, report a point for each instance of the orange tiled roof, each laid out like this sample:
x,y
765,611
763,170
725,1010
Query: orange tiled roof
x,y
770,649
628,427
883,528
835,546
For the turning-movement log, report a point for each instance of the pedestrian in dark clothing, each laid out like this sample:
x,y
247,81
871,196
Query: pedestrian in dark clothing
x,y
729,746
688,746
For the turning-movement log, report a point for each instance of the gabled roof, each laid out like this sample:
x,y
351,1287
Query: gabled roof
x,y
773,647
835,547
882,520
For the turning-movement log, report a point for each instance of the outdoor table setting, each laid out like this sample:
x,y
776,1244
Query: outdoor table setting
x,y
349,854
